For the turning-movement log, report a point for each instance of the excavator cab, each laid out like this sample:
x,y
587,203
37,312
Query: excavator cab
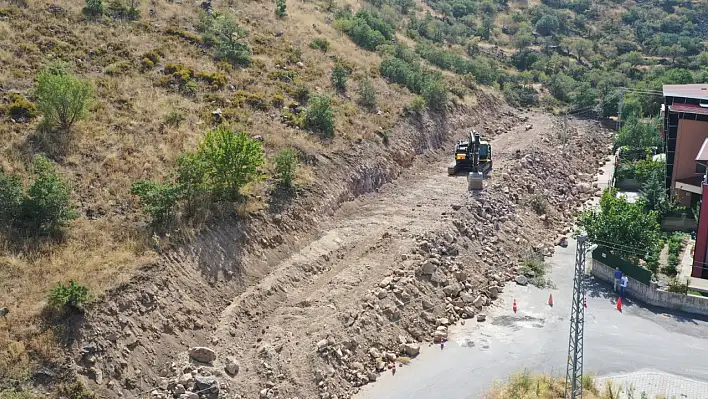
x,y
474,156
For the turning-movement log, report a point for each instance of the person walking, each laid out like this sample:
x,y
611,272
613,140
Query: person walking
x,y
623,284
618,276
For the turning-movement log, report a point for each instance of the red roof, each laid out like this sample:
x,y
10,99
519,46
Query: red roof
x,y
689,108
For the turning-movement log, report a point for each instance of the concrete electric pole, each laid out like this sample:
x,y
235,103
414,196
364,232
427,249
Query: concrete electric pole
x,y
574,372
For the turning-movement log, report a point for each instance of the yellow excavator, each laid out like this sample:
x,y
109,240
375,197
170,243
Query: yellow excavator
x,y
473,155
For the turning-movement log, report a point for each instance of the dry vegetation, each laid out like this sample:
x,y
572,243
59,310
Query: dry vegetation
x,y
137,128
526,385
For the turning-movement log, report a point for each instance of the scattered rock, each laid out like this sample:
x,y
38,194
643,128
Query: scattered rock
x,y
479,301
356,366
452,289
322,345
428,268
373,352
481,317
202,354
521,280
204,383
232,366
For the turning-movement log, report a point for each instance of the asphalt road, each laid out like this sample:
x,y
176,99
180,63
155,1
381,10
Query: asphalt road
x,y
639,339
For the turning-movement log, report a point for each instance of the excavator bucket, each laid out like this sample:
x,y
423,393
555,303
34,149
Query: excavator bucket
x,y
475,181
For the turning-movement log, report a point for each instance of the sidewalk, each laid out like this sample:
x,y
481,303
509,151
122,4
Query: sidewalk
x,y
696,284
654,383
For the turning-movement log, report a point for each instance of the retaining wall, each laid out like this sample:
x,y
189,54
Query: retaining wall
x,y
651,295
673,223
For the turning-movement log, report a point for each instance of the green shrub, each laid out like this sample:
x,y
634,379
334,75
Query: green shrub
x,y
677,286
340,75
280,8
286,76
435,95
93,8
255,100
158,199
71,297
320,44
216,80
319,116
367,95
229,37
62,98
230,161
277,101
130,11
154,55
118,68
76,390
300,93
671,267
46,207
13,394
146,64
367,29
174,118
286,163
11,197
188,36
20,108
417,105
520,96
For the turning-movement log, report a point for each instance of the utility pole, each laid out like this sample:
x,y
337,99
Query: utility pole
x,y
574,373
619,109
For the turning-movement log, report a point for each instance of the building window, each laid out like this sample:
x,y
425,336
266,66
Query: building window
x,y
700,168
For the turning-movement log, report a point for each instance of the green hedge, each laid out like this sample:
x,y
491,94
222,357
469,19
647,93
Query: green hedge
x,y
636,272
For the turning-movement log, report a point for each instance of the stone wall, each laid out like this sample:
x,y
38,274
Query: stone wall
x,y
651,294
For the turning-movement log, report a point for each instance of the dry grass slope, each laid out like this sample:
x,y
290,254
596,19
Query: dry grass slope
x,y
527,385
136,128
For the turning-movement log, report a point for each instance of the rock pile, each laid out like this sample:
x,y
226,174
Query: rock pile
x,y
453,276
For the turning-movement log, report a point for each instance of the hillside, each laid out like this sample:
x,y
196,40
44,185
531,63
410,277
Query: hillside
x,y
356,89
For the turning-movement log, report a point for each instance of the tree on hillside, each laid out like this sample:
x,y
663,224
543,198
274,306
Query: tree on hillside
x,y
654,192
62,98
547,25
230,160
621,226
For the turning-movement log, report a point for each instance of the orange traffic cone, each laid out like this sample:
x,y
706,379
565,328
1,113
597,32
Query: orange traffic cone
x,y
619,304
550,300
442,345
515,308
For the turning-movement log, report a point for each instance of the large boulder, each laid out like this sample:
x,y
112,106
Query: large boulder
x,y
202,354
411,350
522,280
204,383
452,289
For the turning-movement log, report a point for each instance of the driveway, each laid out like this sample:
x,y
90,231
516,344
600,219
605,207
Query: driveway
x,y
640,343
